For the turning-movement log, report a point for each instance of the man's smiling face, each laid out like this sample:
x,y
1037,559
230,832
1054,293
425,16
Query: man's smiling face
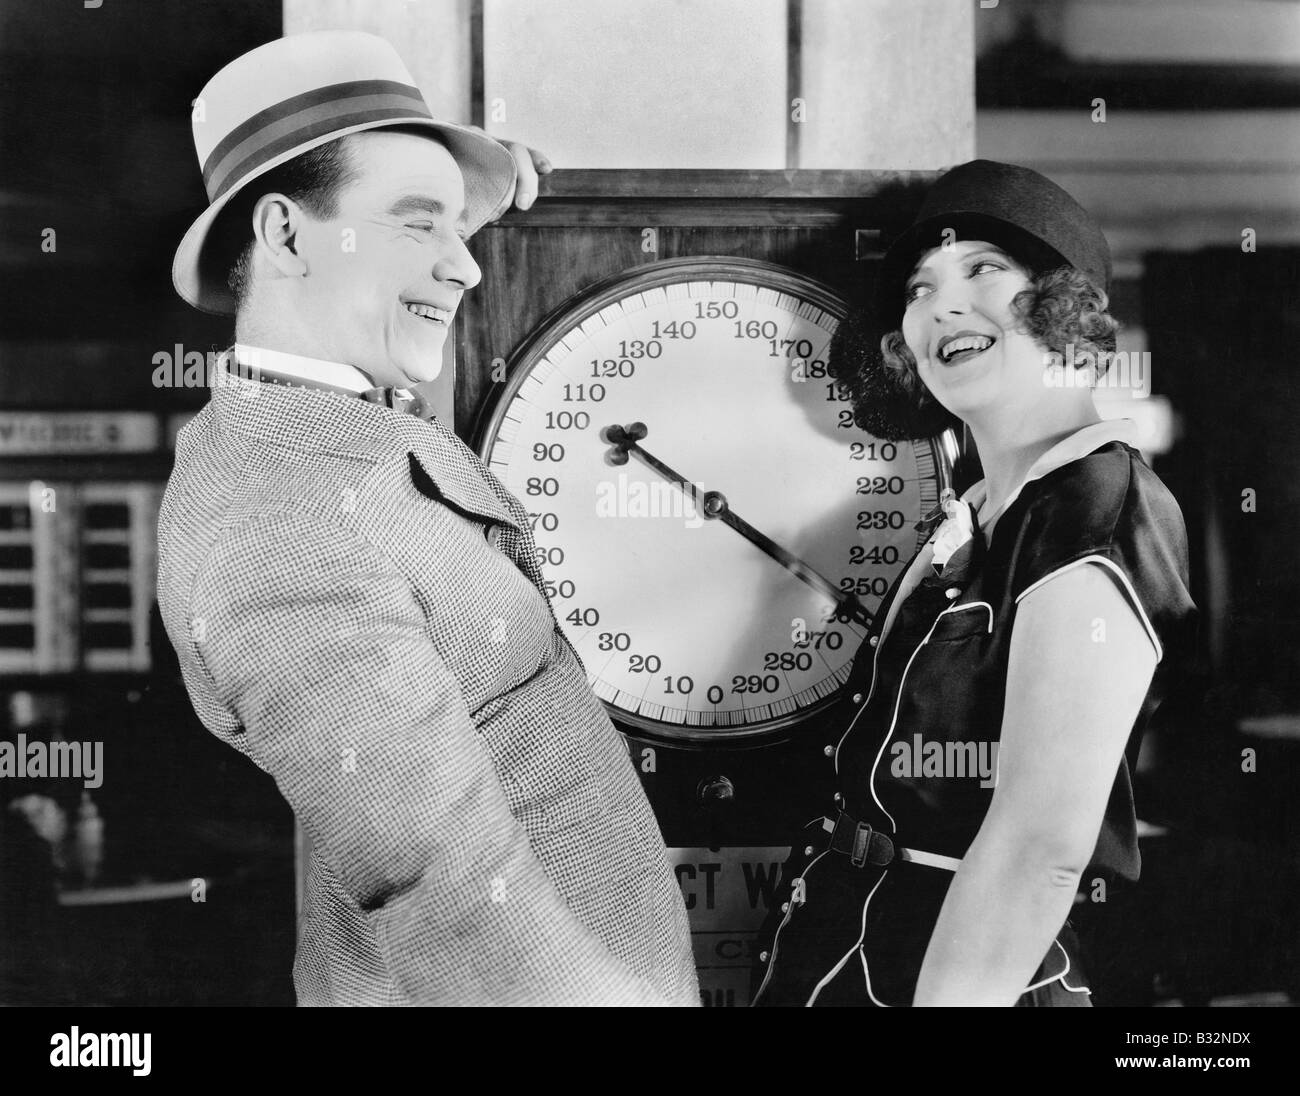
x,y
385,275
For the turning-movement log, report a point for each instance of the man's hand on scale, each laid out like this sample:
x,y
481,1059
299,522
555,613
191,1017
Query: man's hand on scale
x,y
624,440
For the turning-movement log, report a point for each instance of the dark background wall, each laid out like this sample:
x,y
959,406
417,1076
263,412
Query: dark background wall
x,y
95,132
95,144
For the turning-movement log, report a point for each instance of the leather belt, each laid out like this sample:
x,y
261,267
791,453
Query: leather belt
x,y
864,845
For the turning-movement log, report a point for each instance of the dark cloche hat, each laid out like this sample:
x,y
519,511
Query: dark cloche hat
x,y
1021,211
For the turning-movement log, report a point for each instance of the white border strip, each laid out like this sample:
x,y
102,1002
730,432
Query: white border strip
x,y
862,934
1128,587
898,699
929,859
776,936
968,605
1058,977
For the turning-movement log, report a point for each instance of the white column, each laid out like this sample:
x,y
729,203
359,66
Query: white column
x,y
693,83
432,37
888,85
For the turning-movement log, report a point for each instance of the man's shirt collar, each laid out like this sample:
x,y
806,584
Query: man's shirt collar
x,y
315,370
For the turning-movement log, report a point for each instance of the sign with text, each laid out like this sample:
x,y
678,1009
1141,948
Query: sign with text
x,y
728,892
64,432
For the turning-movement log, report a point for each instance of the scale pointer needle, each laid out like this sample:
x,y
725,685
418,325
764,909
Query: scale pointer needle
x,y
624,440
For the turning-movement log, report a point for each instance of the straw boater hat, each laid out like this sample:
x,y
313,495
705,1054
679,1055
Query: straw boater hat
x,y
296,93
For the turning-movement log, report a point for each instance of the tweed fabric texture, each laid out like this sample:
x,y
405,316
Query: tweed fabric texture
x,y
357,606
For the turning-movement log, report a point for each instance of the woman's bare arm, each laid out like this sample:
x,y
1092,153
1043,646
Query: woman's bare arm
x,y
1080,665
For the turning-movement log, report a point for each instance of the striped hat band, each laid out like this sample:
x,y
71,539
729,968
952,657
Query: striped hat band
x,y
302,118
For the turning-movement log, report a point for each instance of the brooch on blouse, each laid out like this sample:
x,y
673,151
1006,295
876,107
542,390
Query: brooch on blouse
x,y
956,539
957,528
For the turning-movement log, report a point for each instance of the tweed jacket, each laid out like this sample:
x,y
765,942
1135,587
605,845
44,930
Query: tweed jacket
x,y
357,606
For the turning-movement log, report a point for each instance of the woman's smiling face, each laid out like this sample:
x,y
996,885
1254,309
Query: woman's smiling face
x,y
970,348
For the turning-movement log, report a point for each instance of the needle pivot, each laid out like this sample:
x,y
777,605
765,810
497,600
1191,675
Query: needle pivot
x,y
622,439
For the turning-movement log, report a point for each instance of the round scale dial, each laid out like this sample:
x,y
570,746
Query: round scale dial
x,y
714,529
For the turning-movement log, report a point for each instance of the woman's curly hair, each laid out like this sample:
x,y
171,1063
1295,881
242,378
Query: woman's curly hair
x,y
1060,308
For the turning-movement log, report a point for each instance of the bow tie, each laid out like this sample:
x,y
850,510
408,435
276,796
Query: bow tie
x,y
406,400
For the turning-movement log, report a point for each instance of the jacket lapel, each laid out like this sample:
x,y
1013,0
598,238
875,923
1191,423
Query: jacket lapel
x,y
442,467
445,469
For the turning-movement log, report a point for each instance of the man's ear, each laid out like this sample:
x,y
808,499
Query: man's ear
x,y
276,220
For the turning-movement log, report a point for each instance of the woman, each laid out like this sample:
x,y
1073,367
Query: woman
x,y
987,734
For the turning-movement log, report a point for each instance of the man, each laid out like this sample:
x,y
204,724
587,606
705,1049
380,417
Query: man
x,y
355,599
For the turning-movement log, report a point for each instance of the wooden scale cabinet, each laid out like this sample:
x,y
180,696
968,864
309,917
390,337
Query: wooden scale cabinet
x,y
644,366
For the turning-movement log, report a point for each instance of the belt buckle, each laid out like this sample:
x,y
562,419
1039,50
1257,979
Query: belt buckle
x,y
861,844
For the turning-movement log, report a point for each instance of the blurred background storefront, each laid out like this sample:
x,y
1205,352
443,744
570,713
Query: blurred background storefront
x,y
1176,121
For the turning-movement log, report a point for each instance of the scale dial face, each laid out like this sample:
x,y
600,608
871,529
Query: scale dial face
x,y
689,631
